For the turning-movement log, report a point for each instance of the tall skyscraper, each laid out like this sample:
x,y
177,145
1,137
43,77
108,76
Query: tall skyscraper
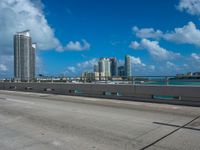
x,y
32,61
121,71
127,66
113,66
104,68
24,56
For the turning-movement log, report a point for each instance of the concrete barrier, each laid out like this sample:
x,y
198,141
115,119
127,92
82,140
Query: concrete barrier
x,y
186,95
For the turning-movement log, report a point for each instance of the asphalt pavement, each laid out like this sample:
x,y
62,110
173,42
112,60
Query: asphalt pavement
x,y
35,121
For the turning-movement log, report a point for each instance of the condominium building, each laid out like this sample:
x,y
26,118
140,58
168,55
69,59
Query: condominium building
x,y
104,68
24,56
127,66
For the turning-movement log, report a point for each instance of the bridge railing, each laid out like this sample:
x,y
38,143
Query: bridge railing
x,y
133,80
176,94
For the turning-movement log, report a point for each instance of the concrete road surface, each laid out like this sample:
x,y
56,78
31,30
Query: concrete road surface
x,y
30,121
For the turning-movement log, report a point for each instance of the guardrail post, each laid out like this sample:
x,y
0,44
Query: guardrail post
x,y
167,80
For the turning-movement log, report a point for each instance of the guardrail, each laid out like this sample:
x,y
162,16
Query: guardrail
x,y
133,80
183,95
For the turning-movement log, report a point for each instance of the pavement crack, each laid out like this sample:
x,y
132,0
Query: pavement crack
x,y
172,132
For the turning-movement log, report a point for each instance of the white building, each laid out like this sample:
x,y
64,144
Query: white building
x,y
24,56
104,68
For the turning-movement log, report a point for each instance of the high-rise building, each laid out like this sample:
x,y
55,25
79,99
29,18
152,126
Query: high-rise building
x,y
127,66
113,66
121,71
88,76
96,68
24,56
104,68
32,61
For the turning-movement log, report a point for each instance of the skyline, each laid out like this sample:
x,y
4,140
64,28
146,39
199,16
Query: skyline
x,y
162,37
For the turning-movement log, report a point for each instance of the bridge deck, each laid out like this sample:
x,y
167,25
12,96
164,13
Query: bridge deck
x,y
47,122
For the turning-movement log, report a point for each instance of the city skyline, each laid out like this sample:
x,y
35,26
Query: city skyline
x,y
162,37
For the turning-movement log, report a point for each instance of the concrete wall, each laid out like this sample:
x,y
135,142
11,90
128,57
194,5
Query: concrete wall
x,y
189,95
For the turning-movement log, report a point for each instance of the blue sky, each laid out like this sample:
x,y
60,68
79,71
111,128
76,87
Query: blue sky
x,y
162,36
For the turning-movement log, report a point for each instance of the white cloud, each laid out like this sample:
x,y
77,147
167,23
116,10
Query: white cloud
x,y
88,64
136,60
147,32
170,64
154,49
3,68
165,67
6,62
195,56
81,67
188,34
192,7
77,46
21,15
135,45
71,69
138,67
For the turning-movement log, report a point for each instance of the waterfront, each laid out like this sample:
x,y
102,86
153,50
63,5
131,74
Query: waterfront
x,y
174,82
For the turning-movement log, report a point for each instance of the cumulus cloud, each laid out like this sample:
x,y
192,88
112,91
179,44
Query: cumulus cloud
x,y
135,45
77,46
195,57
136,60
154,49
170,64
6,62
71,69
139,67
192,7
20,15
3,67
188,34
147,32
189,63
88,64
81,67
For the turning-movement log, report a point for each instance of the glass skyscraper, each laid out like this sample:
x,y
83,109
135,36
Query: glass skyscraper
x,y
113,67
127,66
24,56
121,71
